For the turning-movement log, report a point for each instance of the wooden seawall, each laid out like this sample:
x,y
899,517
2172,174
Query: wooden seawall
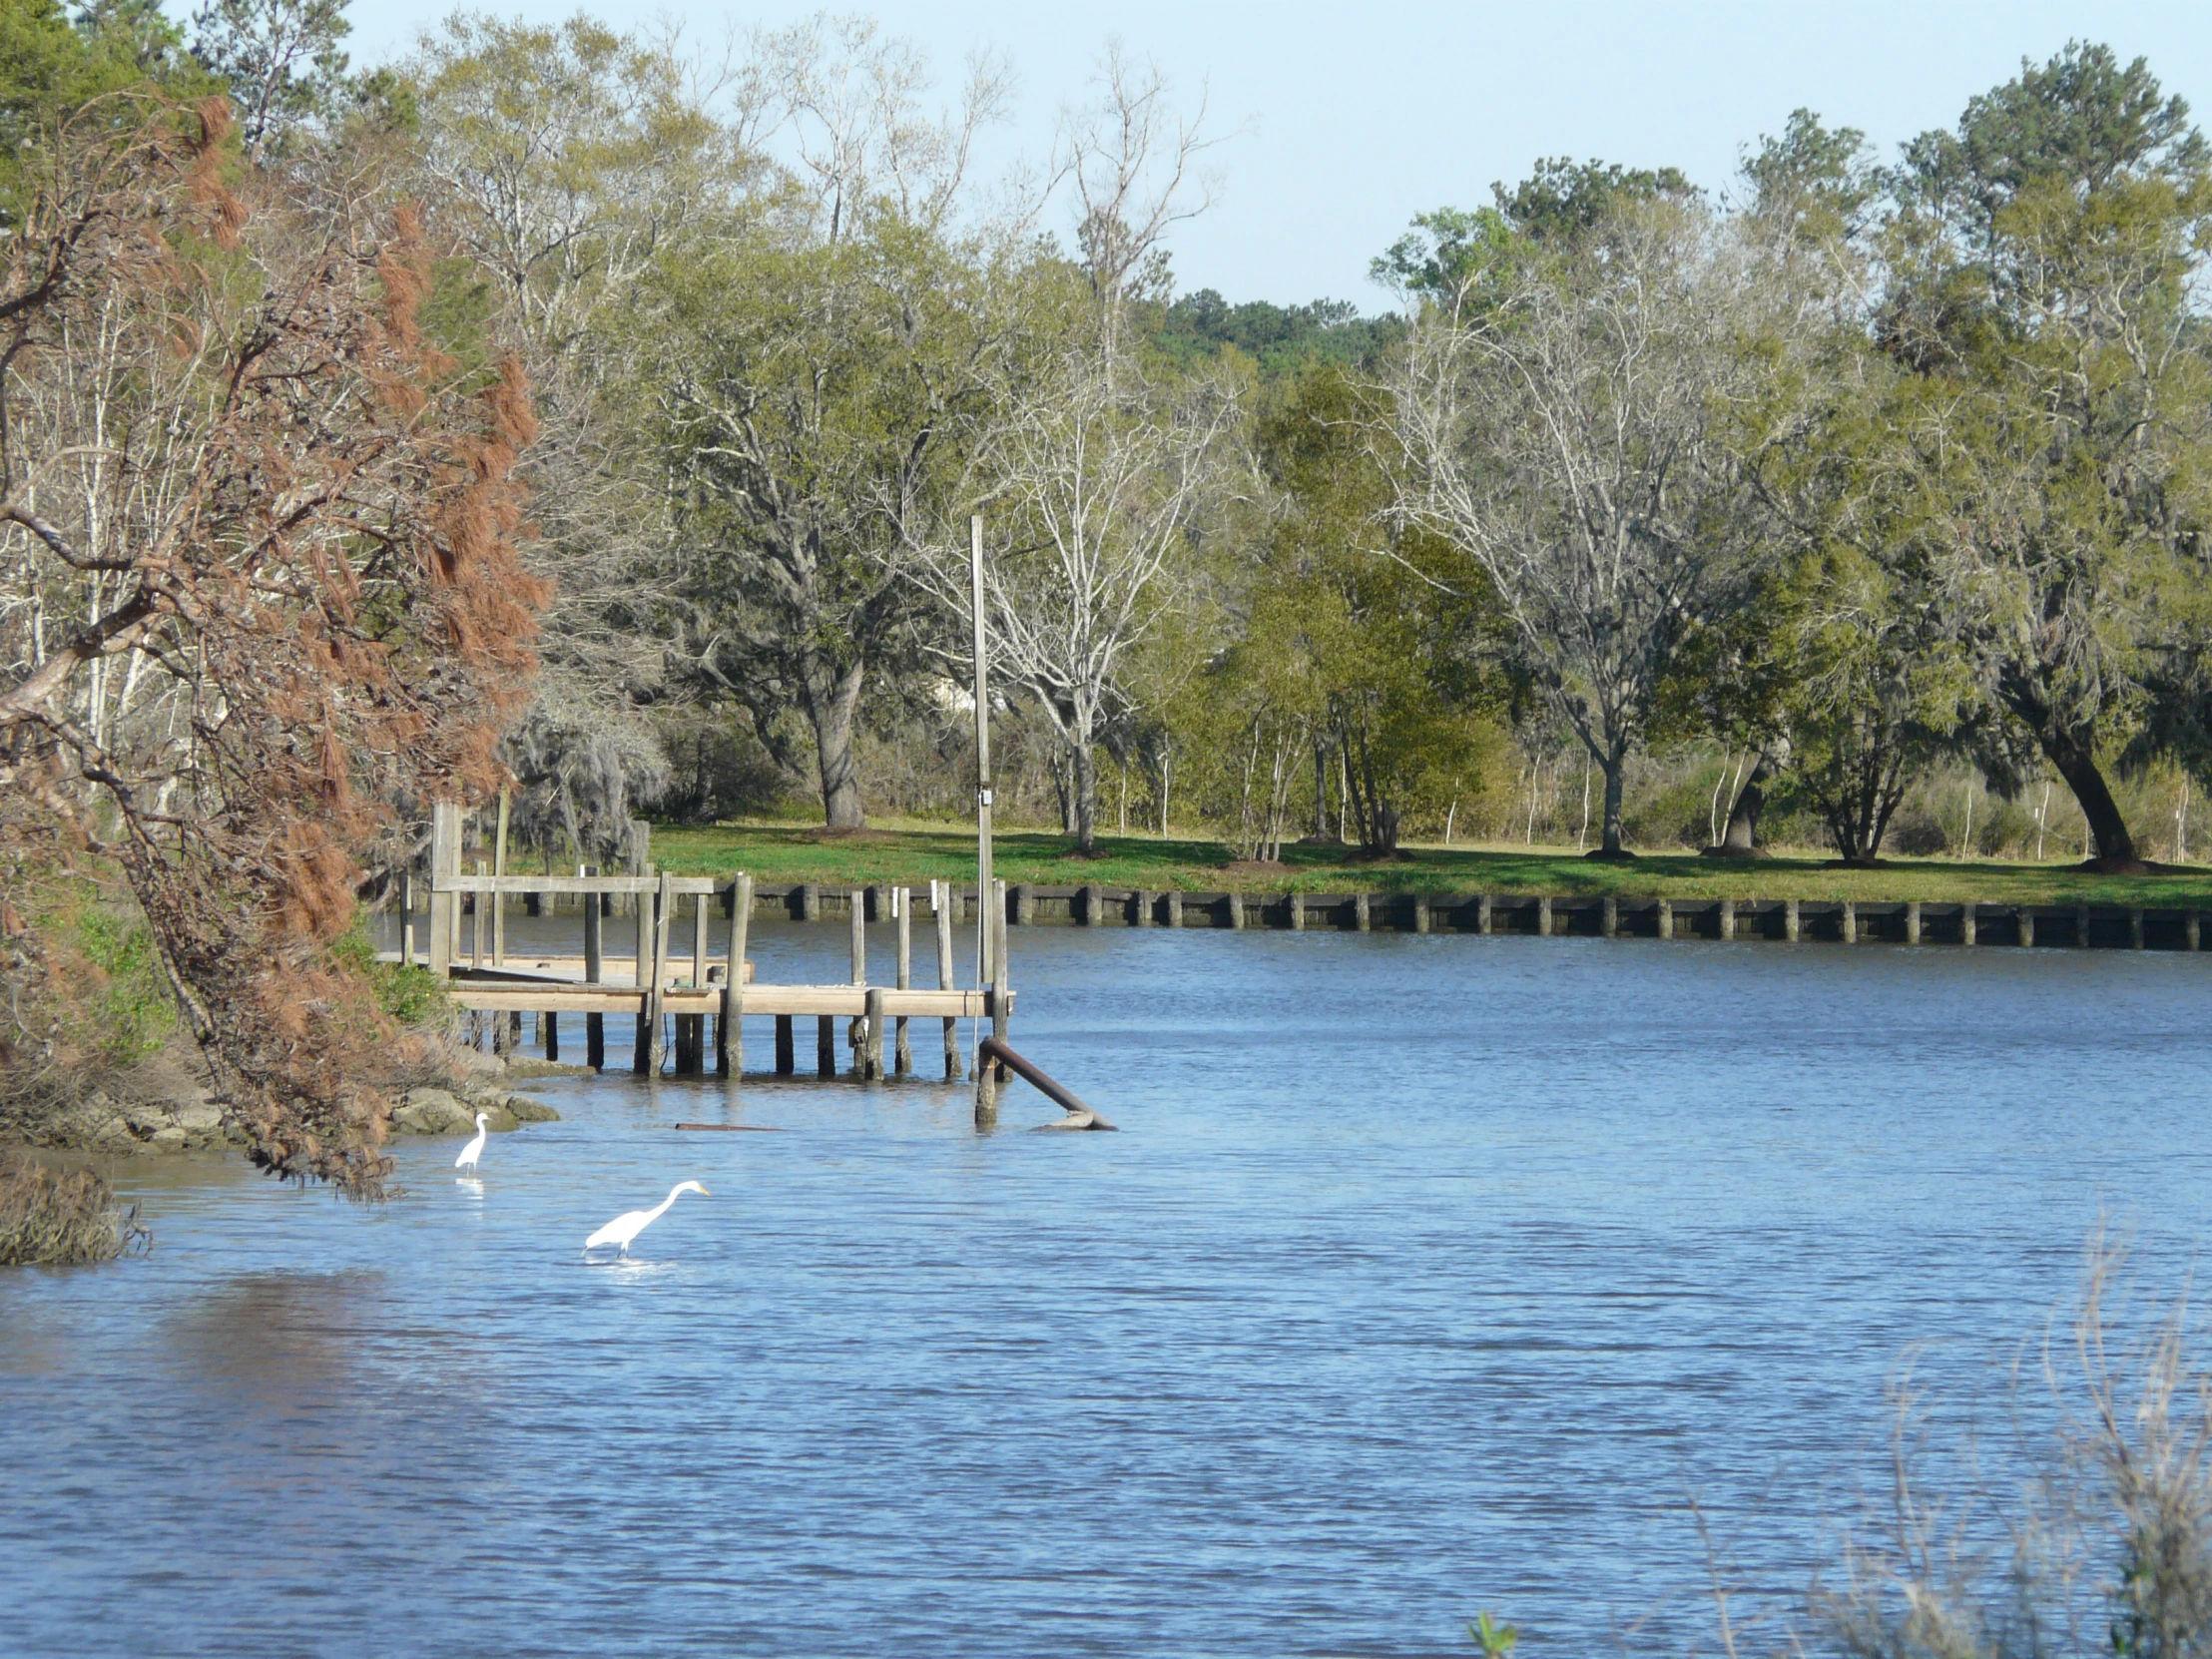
x,y
2077,927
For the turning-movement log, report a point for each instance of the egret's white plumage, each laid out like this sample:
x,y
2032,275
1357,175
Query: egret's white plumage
x,y
476,1148
623,1229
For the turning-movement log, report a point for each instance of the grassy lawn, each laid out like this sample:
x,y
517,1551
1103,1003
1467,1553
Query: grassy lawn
x,y
912,855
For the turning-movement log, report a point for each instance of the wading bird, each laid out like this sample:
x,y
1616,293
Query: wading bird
x,y
475,1149
623,1229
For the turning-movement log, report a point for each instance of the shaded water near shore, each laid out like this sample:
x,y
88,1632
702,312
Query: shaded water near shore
x,y
1426,1273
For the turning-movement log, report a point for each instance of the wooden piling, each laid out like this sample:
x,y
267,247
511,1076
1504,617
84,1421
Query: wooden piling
x,y
1913,922
2135,928
1851,923
2192,932
826,1046
2081,927
729,1027
1298,912
1727,924
1666,918
1483,920
943,908
1967,916
1090,901
902,908
786,1055
987,1070
2027,924
871,1061
856,1031
1175,908
810,901
648,1033
552,1038
1140,908
1362,919
595,971
663,902
1792,924
1420,912
1235,911
1022,904
1610,918
1543,917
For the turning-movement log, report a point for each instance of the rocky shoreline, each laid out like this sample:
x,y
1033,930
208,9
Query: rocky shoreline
x,y
164,1105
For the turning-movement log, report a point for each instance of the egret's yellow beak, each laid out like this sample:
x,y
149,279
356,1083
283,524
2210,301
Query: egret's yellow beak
x,y
703,1192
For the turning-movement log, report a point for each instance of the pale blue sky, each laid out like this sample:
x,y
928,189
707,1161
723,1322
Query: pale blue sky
x,y
1359,118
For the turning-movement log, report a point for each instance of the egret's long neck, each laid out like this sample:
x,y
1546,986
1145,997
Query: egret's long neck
x,y
660,1209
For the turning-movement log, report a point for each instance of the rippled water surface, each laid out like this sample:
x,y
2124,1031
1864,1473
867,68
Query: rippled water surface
x,y
1426,1273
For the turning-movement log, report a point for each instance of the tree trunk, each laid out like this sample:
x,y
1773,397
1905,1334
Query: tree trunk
x,y
1610,848
2075,758
1086,766
2079,765
831,703
1741,838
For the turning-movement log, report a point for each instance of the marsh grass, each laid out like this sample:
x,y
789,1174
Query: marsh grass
x,y
50,1216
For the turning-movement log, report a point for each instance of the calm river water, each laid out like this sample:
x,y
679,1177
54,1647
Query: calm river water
x,y
1426,1273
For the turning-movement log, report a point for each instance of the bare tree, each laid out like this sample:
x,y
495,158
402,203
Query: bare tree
x,y
567,163
1100,480
1133,161
1566,424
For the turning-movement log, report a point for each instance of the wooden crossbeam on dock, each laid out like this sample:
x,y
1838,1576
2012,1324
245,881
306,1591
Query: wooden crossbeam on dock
x,y
823,1002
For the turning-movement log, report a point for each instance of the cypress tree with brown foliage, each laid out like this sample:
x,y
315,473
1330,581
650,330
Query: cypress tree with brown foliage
x,y
291,527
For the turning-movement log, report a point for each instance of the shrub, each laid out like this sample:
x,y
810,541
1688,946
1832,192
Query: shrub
x,y
48,1216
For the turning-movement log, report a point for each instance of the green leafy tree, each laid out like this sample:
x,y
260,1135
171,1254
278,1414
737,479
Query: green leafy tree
x,y
2045,261
280,60
1385,621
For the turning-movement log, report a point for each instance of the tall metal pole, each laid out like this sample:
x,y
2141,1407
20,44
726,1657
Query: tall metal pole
x,y
984,950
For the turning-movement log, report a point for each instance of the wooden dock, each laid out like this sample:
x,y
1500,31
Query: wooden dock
x,y
679,996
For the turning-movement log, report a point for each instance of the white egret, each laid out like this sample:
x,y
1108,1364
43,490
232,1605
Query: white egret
x,y
475,1149
624,1228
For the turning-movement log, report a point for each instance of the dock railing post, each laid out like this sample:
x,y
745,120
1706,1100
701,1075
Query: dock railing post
x,y
446,862
406,916
595,970
942,897
902,908
499,899
729,1027
476,923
